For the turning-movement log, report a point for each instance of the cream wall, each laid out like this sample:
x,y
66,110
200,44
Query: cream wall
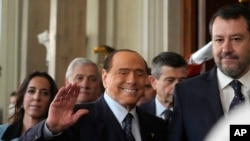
x,y
147,26
9,53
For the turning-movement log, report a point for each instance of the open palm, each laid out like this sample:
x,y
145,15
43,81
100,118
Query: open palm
x,y
61,115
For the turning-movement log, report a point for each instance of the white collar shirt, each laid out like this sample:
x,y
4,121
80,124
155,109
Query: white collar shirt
x,y
227,92
120,113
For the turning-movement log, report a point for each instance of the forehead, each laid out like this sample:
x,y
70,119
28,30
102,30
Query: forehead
x,y
85,69
229,25
39,82
175,72
126,59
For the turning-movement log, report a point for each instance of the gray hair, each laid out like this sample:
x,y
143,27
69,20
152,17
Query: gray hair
x,y
80,61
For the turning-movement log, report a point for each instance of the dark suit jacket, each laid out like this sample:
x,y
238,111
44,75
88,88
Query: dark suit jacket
x,y
197,107
101,125
149,107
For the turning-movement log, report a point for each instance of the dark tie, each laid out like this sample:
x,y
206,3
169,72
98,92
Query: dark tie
x,y
238,96
167,115
127,128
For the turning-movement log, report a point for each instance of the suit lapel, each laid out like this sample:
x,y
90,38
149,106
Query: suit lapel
x,y
146,134
213,95
147,131
106,124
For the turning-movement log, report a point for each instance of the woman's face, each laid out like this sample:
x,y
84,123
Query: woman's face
x,y
37,98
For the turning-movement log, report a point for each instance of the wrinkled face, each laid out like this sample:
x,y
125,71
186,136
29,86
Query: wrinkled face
x,y
164,86
37,98
149,93
231,46
87,78
125,82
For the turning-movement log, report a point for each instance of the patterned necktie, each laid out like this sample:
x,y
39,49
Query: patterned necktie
x,y
127,128
238,96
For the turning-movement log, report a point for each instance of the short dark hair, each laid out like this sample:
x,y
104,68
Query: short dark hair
x,y
231,11
171,59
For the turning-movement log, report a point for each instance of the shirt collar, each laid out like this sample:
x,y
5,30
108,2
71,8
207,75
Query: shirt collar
x,y
118,110
224,80
159,107
245,80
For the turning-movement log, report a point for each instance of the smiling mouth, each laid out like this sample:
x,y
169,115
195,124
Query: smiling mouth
x,y
129,90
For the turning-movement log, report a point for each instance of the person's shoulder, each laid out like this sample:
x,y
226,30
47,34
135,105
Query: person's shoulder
x,y
199,79
3,128
147,105
147,116
153,123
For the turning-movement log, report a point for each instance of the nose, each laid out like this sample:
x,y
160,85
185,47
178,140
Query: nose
x,y
84,83
131,78
227,46
36,96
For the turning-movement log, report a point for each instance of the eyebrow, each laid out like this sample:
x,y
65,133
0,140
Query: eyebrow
x,y
33,87
126,69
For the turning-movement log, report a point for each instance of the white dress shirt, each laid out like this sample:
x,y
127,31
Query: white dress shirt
x,y
227,92
120,113
160,109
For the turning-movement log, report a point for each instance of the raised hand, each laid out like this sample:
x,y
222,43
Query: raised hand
x,y
61,115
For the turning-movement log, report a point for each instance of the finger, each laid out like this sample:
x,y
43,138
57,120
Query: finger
x,y
59,94
68,87
73,94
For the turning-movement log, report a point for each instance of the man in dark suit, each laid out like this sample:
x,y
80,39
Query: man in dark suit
x,y
201,101
168,69
123,76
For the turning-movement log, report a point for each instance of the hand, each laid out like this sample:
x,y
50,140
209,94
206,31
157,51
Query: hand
x,y
61,115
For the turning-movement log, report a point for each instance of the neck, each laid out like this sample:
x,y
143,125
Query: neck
x,y
29,122
165,103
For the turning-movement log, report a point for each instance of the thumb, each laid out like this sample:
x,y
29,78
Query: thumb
x,y
79,113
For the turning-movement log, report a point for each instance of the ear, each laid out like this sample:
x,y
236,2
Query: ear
x,y
153,81
104,77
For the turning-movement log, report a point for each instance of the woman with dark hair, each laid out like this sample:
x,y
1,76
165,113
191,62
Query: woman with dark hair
x,y
33,99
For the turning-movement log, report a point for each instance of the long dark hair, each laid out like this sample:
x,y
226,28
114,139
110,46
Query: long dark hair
x,y
19,110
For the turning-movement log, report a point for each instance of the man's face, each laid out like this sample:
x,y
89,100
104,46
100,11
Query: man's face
x,y
87,78
231,46
164,86
125,82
